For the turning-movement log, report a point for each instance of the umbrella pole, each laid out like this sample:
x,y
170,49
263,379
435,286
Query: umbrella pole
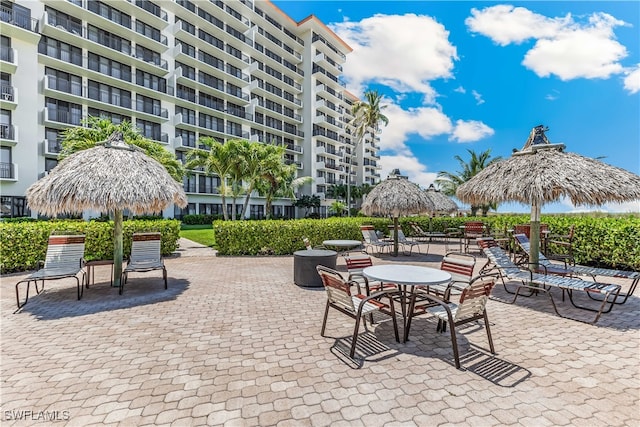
x,y
117,247
534,235
395,236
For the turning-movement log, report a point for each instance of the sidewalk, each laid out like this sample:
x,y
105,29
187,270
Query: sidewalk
x,y
233,341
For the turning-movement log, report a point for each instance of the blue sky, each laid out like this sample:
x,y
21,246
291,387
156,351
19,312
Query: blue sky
x,y
464,75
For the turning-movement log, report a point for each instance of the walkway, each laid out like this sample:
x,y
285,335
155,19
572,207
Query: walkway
x,y
234,342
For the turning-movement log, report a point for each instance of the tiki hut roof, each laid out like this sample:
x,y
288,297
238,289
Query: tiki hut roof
x,y
106,178
396,197
441,202
542,172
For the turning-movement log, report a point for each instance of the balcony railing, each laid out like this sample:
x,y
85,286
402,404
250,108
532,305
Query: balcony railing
x,y
18,19
7,171
7,132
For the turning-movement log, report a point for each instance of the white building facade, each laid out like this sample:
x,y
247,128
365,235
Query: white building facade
x,y
178,70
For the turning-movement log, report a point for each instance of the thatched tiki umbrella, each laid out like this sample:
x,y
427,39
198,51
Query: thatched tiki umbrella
x,y
396,196
108,178
542,172
441,202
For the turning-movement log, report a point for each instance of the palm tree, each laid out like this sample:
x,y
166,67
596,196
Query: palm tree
x,y
259,160
367,117
97,129
449,182
217,160
279,180
337,208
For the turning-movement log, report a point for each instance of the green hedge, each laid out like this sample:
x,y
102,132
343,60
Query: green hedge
x,y
606,241
25,243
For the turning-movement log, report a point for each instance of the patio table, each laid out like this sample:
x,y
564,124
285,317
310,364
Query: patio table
x,y
407,277
345,245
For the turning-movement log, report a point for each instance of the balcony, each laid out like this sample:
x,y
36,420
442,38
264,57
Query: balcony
x,y
8,97
8,59
62,117
51,148
8,134
17,19
8,171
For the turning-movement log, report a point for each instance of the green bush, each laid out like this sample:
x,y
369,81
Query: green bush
x,y
607,241
200,219
25,243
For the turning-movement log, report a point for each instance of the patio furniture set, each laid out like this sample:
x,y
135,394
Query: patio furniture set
x,y
65,259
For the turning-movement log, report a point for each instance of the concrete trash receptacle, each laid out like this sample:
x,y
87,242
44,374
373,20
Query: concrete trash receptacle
x,y
305,262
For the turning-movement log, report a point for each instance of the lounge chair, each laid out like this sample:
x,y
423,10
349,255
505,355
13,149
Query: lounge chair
x,y
64,258
145,256
571,269
371,240
499,261
341,298
404,242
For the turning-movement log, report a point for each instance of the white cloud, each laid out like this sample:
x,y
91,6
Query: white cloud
x,y
563,47
416,50
552,96
478,97
628,207
409,166
460,89
632,80
470,130
424,121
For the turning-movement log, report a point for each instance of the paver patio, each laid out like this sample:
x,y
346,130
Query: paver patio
x,y
234,341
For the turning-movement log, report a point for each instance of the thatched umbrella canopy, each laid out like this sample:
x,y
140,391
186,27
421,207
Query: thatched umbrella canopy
x,y
110,177
441,202
396,196
542,172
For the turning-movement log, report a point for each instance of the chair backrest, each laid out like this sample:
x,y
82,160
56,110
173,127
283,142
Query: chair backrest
x,y
369,233
356,263
416,228
524,243
526,229
64,252
487,242
473,299
401,236
307,243
338,289
473,228
146,247
459,265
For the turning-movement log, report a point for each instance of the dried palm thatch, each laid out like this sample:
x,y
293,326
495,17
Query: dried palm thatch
x,y
441,202
107,178
396,196
542,172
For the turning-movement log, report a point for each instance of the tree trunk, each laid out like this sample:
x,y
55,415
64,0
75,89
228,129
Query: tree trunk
x,y
117,248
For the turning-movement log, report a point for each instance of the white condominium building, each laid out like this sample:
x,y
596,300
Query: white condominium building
x,y
178,70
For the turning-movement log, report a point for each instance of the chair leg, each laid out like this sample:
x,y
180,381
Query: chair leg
x,y
324,321
486,324
28,282
164,276
454,343
355,338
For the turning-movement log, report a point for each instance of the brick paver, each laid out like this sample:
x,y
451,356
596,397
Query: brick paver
x,y
234,341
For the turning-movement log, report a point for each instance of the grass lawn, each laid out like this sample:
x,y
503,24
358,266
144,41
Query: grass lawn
x,y
202,234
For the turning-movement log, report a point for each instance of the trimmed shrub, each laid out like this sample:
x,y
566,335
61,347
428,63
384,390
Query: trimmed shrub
x,y
24,244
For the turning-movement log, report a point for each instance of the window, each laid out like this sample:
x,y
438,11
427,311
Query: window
x,y
59,50
63,111
147,30
62,20
49,164
256,211
64,82
110,13
211,101
113,117
109,94
149,129
189,183
148,105
187,71
151,81
12,206
6,164
208,184
210,122
109,67
185,92
188,137
112,41
188,116
210,209
53,139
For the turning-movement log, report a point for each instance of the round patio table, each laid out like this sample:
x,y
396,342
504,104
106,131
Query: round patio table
x,y
407,276
305,262
345,245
